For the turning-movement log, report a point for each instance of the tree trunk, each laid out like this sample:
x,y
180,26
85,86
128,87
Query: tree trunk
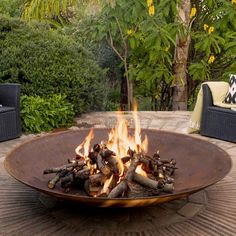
x,y
180,96
126,99
123,94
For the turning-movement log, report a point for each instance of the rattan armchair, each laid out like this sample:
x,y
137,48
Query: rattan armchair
x,y
217,122
10,126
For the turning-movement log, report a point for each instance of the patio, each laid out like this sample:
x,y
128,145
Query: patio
x,y
209,212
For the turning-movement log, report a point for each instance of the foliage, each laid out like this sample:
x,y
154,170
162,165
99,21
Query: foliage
x,y
46,63
56,12
149,42
44,114
213,48
145,43
11,7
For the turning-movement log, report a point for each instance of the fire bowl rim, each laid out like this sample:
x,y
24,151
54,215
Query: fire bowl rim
x,y
83,199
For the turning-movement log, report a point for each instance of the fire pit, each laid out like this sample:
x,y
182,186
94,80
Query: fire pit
x,y
199,163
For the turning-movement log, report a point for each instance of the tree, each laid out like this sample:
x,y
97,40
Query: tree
x,y
168,49
180,96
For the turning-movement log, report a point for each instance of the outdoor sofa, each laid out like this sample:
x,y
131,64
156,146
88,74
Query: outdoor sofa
x,y
10,126
217,122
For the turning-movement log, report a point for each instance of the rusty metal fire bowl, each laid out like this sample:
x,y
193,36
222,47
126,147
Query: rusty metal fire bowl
x,y
200,164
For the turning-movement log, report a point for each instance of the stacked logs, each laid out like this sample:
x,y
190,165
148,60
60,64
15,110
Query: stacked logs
x,y
102,174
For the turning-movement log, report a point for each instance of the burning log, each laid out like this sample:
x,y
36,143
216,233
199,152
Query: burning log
x,y
125,159
103,181
108,186
123,185
90,189
119,189
98,178
102,166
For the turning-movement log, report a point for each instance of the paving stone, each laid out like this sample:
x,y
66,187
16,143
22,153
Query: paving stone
x,y
190,209
200,197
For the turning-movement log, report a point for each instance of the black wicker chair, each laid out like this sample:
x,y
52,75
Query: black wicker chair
x,y
10,127
217,122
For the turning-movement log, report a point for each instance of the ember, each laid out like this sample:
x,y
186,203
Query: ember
x,y
110,168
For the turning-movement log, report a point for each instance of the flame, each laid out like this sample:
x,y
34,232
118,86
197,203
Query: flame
x,y
119,139
137,136
85,145
107,184
140,171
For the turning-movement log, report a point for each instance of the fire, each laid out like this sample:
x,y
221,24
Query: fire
x,y
140,171
85,145
119,140
108,168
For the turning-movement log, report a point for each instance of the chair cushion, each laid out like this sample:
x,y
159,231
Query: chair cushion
x,y
4,109
231,95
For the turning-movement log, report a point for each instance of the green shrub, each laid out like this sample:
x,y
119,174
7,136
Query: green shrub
x,y
44,114
11,8
45,63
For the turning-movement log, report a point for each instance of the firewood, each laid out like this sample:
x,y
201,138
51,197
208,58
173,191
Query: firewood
x,y
169,180
102,166
98,178
123,185
168,188
67,166
83,174
90,189
68,178
125,159
108,186
113,164
106,153
93,157
119,189
52,183
147,182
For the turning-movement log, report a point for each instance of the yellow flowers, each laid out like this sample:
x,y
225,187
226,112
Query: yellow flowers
x,y
205,26
130,31
211,59
149,2
151,8
233,1
193,12
210,29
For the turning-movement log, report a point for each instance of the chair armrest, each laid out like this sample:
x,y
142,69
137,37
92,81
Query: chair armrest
x,y
207,102
207,96
10,95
